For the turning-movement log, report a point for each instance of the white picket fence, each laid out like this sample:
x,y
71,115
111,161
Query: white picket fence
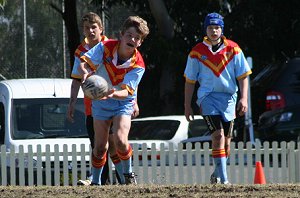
x,y
281,164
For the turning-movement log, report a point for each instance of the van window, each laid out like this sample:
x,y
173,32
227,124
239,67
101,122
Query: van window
x,y
46,118
153,129
198,128
2,121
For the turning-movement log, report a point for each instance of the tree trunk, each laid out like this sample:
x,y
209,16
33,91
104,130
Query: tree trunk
x,y
165,26
70,18
163,20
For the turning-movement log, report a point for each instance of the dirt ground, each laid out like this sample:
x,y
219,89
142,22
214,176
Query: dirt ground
x,y
154,191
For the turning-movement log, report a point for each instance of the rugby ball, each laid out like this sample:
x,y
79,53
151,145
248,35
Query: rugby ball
x,y
95,87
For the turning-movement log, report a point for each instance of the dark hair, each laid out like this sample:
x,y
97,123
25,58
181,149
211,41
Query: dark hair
x,y
139,24
92,17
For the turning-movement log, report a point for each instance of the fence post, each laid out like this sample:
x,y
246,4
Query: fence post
x,y
171,156
297,152
136,160
145,163
56,165
153,163
3,168
257,150
283,162
74,165
65,165
21,164
275,161
231,168
40,167
12,162
163,176
83,164
250,162
207,157
198,159
30,166
241,161
189,162
291,154
266,159
180,164
48,165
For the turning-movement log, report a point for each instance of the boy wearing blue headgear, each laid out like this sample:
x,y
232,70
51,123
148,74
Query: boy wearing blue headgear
x,y
217,64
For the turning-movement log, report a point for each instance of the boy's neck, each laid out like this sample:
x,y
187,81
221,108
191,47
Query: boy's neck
x,y
124,55
216,42
217,46
92,43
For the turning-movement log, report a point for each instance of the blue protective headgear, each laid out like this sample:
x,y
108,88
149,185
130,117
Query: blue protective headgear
x,y
213,19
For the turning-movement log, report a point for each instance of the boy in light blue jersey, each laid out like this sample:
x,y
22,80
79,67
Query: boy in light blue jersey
x,y
217,64
92,30
121,64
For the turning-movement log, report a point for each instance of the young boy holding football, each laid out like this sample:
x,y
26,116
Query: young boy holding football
x,y
92,30
122,65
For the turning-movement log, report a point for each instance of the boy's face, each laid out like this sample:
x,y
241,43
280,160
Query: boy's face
x,y
92,32
213,32
131,39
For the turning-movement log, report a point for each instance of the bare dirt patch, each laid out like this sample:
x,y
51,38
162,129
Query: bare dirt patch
x,y
154,191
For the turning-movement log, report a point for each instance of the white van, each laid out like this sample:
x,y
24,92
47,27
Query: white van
x,y
33,112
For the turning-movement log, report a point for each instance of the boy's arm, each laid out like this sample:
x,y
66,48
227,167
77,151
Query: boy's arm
x,y
118,94
85,71
74,89
188,94
90,61
242,106
136,109
73,99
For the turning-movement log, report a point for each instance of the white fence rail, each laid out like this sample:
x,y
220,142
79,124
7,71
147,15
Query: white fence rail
x,y
190,165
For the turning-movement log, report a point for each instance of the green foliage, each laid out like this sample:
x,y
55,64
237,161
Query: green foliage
x,y
265,30
44,40
11,38
44,27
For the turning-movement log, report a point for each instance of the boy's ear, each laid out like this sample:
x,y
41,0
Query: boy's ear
x,y
140,43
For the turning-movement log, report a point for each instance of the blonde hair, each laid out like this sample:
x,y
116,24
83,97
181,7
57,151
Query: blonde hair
x,y
92,17
138,23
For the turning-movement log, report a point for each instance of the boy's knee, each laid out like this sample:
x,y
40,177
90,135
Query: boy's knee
x,y
121,145
99,152
217,136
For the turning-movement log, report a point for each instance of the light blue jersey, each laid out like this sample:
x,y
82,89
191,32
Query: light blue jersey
x,y
103,59
217,73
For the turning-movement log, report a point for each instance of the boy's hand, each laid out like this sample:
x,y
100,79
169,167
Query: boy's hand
x,y
85,76
109,94
136,110
242,106
189,114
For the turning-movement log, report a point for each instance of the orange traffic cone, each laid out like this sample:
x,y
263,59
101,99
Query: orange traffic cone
x,y
259,174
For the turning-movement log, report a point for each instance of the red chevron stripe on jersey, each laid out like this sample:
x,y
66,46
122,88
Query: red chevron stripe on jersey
x,y
218,62
84,46
116,74
81,50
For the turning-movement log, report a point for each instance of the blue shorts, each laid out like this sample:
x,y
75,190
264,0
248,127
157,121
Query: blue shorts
x,y
219,104
107,109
